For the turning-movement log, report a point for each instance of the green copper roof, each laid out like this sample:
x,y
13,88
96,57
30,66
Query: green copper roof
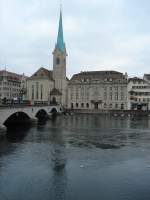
x,y
60,38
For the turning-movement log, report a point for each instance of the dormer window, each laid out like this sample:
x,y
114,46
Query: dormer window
x,y
57,61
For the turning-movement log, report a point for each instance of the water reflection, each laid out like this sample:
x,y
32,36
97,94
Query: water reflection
x,y
59,178
17,134
43,161
84,131
14,135
99,121
107,132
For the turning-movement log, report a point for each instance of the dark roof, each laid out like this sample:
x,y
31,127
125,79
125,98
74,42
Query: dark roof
x,y
55,92
136,79
42,73
12,76
147,76
98,75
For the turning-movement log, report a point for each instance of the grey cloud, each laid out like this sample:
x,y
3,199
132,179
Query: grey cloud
x,y
99,34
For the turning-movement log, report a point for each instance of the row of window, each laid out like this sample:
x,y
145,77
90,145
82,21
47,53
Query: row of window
x,y
87,105
141,100
11,89
85,80
97,88
10,84
140,93
105,96
141,87
137,82
9,95
82,105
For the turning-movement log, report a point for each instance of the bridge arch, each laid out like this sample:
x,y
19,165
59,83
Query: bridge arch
x,y
53,111
41,113
26,113
16,117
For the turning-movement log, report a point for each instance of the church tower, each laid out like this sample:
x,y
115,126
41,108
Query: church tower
x,y
59,62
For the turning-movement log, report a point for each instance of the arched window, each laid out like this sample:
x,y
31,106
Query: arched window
x,y
82,105
32,92
77,105
37,90
41,91
71,105
87,105
116,105
122,106
54,100
57,61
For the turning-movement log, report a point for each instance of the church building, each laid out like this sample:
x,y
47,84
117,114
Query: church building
x,y
50,86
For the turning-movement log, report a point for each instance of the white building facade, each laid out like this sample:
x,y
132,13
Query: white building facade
x,y
138,94
104,90
10,85
39,86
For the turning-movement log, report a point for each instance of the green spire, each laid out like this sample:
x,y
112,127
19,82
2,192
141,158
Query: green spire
x,y
60,38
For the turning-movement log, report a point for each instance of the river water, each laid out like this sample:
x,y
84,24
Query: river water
x,y
79,157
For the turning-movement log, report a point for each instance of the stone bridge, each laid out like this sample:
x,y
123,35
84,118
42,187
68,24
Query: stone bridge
x,y
30,112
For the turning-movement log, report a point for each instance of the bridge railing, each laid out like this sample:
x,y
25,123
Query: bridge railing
x,y
26,103
9,103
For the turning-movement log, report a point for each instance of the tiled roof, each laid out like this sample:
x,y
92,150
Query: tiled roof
x,y
12,76
147,76
136,79
100,75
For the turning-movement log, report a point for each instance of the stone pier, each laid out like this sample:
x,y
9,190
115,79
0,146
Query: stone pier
x,y
3,129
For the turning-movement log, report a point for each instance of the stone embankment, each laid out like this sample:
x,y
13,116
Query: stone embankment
x,y
116,113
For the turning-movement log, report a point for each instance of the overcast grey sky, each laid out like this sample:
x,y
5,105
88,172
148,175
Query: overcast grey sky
x,y
99,35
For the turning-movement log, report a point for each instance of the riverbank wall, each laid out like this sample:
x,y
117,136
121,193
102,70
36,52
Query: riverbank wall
x,y
112,112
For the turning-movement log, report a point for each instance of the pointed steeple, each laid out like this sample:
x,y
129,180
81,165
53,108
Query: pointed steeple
x,y
60,38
